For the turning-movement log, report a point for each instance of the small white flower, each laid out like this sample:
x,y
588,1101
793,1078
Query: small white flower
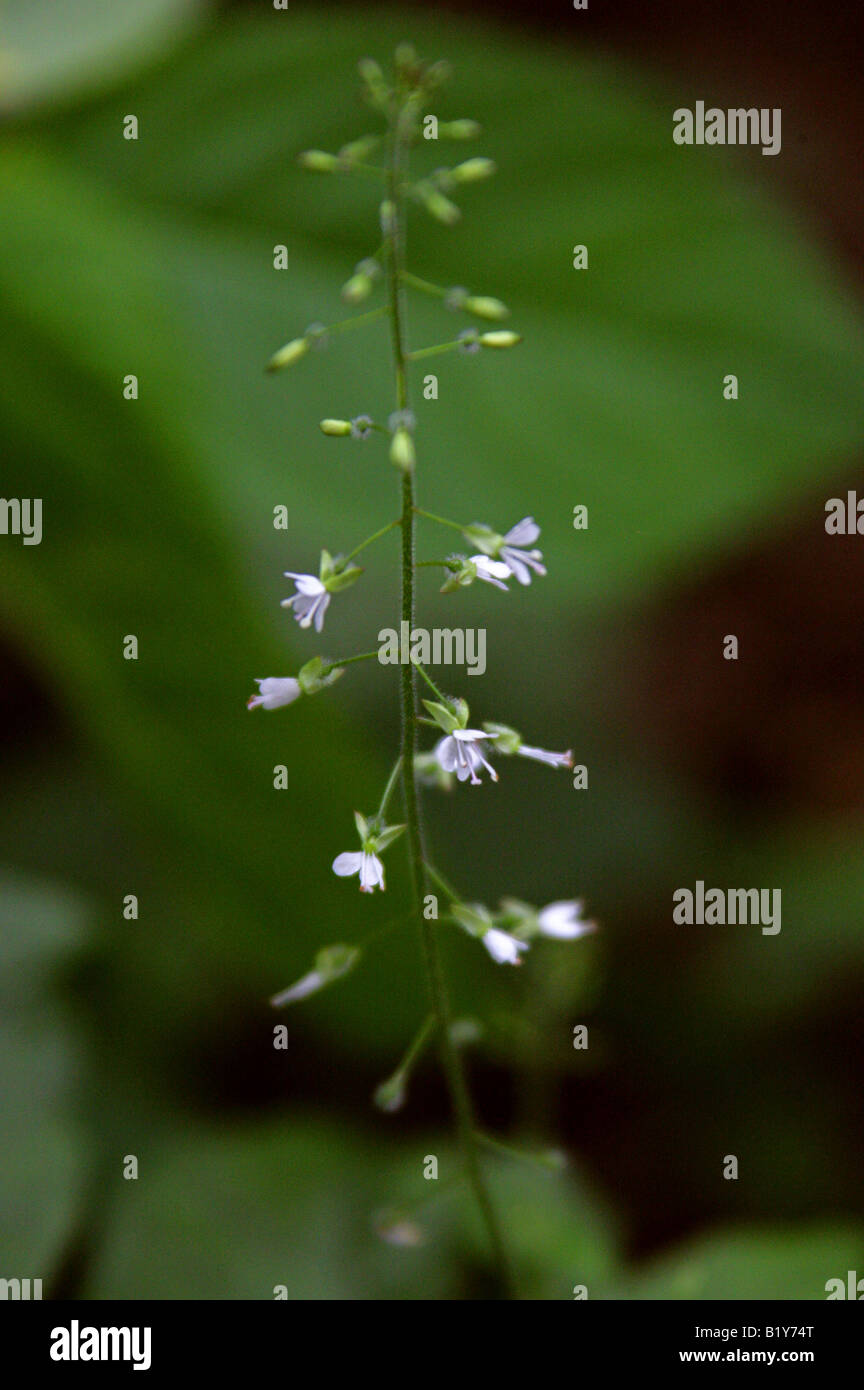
x,y
540,755
273,692
492,571
309,984
502,947
310,601
563,920
364,863
459,752
512,550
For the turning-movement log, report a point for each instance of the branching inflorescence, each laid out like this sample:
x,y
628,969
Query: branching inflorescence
x,y
462,752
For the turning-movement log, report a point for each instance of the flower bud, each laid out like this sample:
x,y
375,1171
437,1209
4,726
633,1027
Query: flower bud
x,y
289,354
458,130
500,338
486,308
318,161
358,288
472,170
437,204
402,450
359,149
387,215
390,1095
331,963
335,427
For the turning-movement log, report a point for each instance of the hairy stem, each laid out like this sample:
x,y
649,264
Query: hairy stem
x,y
451,1061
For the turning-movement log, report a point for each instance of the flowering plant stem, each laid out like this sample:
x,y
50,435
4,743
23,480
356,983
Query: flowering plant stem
x,y
450,1058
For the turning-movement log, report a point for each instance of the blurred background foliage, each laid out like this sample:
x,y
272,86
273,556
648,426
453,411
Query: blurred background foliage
x,y
155,257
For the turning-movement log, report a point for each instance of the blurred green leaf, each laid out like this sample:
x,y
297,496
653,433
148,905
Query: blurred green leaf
x,y
50,51
43,1153
767,1264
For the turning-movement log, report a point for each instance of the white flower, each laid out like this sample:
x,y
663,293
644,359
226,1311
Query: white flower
x,y
563,920
502,947
273,692
310,601
511,550
309,984
459,752
541,756
364,863
492,571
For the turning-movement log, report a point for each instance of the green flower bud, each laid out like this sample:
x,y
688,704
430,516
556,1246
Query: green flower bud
x,y
335,427
386,214
315,676
289,354
436,75
390,1095
402,450
486,308
472,170
359,149
437,204
377,90
318,161
500,338
331,963
358,288
458,130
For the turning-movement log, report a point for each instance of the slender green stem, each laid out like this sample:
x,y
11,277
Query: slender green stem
x,y
450,1058
347,660
429,681
357,320
541,1160
442,520
376,535
427,1029
391,783
442,882
436,349
425,285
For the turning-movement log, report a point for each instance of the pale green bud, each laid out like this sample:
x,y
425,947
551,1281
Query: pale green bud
x,y
402,450
458,130
318,161
499,338
289,354
485,307
390,1095
472,170
331,963
335,427
314,676
387,214
376,88
437,204
359,149
358,288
